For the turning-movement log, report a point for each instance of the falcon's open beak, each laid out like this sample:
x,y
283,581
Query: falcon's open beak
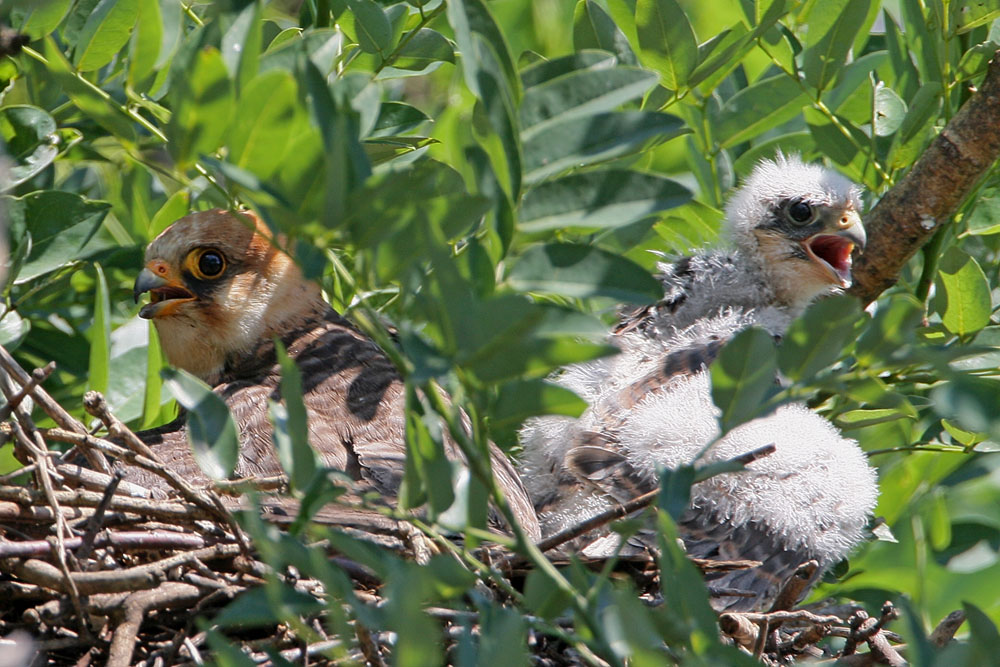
x,y
833,249
166,291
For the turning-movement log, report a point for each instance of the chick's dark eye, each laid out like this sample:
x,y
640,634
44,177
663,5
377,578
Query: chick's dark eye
x,y
211,264
800,212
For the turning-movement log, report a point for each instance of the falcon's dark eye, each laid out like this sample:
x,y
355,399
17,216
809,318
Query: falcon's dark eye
x,y
800,212
210,264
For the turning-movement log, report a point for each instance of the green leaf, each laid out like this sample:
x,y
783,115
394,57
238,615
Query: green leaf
x,y
41,18
591,139
520,399
893,327
861,418
265,606
92,101
973,402
147,40
548,70
397,118
721,55
241,46
203,103
754,110
421,53
347,166
743,376
593,28
598,200
793,142
833,24
964,293
152,403
29,136
829,138
210,428
473,17
106,31
263,123
374,33
176,206
968,15
61,225
985,639
890,110
291,427
581,93
425,456
917,126
984,219
666,41
582,271
543,596
13,329
100,336
817,338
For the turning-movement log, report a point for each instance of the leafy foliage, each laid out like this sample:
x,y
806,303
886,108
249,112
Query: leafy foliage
x,y
490,178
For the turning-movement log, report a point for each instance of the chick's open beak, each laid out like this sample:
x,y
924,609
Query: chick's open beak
x,y
166,291
833,246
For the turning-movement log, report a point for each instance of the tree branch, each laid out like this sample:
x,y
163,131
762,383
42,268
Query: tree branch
x,y
910,213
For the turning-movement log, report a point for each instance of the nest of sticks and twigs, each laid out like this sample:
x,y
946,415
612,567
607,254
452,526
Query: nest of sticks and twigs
x,y
95,570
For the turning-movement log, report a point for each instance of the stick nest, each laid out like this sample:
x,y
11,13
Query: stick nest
x,y
95,570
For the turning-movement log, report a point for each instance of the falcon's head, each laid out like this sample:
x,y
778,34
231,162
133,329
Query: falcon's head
x,y
219,288
802,222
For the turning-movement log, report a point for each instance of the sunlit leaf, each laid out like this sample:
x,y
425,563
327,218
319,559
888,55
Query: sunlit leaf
x,y
61,225
100,336
547,70
591,139
598,199
582,271
581,93
29,135
263,124
374,33
964,300
666,41
38,19
106,31
890,110
203,102
593,28
758,108
832,27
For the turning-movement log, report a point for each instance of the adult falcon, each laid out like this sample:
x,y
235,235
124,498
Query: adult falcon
x,y
220,292
792,228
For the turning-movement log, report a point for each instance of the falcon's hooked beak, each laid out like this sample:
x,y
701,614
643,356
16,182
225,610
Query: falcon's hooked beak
x,y
832,249
166,290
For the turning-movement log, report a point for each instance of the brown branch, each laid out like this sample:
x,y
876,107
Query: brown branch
x,y
136,606
123,541
51,408
795,586
96,406
81,498
928,196
946,629
140,577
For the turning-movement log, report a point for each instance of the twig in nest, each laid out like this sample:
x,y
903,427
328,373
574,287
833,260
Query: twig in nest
x,y
38,376
136,606
868,630
137,578
123,541
51,408
96,406
97,519
166,510
946,629
206,500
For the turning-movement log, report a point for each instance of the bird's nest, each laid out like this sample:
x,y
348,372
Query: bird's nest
x,y
94,570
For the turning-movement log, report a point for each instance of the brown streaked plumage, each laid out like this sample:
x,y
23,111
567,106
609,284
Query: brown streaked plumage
x,y
221,292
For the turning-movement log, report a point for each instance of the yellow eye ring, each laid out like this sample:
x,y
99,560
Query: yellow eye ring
x,y
206,263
